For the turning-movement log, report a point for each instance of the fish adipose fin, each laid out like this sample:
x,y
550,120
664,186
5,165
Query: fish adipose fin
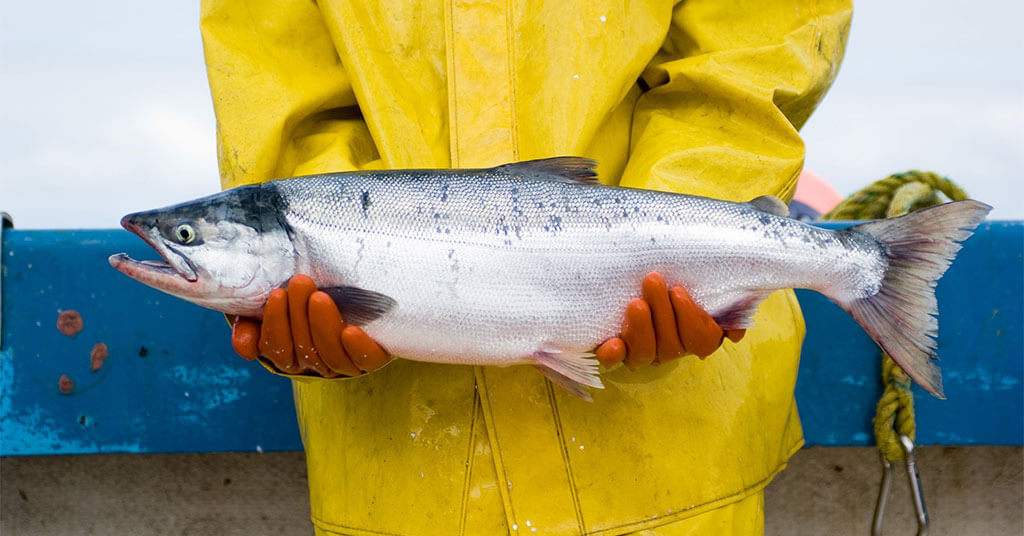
x,y
571,168
360,306
574,371
900,317
770,204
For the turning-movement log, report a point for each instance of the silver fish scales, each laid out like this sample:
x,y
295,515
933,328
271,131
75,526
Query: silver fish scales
x,y
534,262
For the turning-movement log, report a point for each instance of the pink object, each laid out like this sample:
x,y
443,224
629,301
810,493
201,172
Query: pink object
x,y
813,191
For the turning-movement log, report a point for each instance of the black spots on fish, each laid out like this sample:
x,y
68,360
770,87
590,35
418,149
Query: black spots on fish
x,y
444,193
365,201
765,219
554,225
454,266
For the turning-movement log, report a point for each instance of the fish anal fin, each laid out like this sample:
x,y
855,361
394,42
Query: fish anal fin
x,y
573,168
359,306
770,204
573,371
740,314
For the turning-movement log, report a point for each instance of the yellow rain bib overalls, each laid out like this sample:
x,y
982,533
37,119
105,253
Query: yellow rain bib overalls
x,y
702,97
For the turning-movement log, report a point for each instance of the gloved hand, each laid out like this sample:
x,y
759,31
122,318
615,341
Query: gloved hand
x,y
662,326
303,331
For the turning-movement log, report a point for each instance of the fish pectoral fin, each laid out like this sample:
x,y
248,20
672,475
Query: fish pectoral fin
x,y
573,371
770,204
572,168
359,306
740,315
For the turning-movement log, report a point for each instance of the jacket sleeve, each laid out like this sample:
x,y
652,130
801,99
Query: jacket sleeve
x,y
729,89
283,102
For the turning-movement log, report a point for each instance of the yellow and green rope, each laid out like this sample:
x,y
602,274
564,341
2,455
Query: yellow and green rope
x,y
893,196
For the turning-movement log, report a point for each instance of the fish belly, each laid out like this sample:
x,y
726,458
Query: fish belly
x,y
463,301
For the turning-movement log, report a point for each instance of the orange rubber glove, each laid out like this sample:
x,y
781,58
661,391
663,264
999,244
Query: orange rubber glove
x,y
303,331
661,326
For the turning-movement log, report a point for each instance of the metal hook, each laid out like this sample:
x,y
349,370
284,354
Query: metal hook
x,y
913,478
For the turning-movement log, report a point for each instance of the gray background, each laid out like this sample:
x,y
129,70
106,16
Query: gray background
x,y
107,110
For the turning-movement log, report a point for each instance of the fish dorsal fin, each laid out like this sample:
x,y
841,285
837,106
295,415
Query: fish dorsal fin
x,y
573,168
770,204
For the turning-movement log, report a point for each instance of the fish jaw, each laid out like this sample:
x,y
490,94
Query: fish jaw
x,y
162,277
159,275
178,276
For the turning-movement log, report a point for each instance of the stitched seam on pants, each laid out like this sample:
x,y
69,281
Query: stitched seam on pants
x,y
492,437
690,511
564,449
469,461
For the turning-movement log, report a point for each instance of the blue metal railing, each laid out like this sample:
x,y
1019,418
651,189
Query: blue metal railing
x,y
173,384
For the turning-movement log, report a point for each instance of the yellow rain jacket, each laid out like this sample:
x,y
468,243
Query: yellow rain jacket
x,y
703,97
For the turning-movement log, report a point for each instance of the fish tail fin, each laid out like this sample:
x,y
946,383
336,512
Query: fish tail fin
x,y
901,316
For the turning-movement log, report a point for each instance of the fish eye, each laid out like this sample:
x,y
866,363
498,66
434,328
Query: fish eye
x,y
184,233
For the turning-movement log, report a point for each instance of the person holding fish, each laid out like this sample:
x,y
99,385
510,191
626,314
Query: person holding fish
x,y
699,97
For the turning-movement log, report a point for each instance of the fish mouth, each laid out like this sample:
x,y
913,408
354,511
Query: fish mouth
x,y
174,265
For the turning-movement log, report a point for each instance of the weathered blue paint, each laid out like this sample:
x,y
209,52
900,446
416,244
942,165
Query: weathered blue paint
x,y
980,345
190,393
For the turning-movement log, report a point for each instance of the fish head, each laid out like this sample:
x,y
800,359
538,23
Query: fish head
x,y
225,252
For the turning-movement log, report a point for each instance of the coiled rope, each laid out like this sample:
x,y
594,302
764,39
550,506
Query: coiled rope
x,y
893,196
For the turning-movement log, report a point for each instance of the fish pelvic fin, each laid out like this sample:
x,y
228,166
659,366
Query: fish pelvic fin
x,y
359,306
570,168
573,371
740,314
901,316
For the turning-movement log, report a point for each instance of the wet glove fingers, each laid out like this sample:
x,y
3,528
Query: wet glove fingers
x,y
300,288
655,293
326,325
276,333
364,351
700,334
245,337
735,335
638,334
611,352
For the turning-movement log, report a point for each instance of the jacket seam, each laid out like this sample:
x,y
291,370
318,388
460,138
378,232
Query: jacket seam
x,y
492,437
697,509
511,70
453,116
337,528
469,462
564,451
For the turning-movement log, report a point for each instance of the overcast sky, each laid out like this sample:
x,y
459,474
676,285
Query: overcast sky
x,y
106,109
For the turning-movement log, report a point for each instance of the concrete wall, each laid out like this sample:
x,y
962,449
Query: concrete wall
x,y
977,490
